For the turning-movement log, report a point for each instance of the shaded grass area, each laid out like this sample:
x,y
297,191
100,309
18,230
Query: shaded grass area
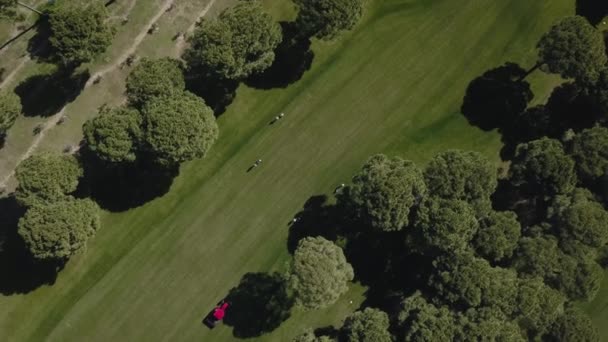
x,y
394,85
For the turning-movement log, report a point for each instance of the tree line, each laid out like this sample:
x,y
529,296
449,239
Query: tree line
x,y
161,125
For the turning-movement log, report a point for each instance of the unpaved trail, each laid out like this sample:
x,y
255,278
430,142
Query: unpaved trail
x,y
136,42
53,120
181,43
15,70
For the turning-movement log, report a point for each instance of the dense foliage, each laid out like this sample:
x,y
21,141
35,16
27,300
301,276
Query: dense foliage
x,y
320,273
574,49
178,128
590,151
8,9
542,167
10,108
325,19
60,229
240,42
114,134
462,175
385,190
368,325
153,78
79,30
45,178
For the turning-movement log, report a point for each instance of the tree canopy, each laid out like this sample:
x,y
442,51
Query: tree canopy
x,y
178,128
114,135
46,178
446,224
368,325
240,42
462,175
497,235
590,151
10,108
582,219
154,78
543,168
572,326
8,9
60,229
574,49
79,30
320,273
537,305
462,279
385,190
423,321
324,19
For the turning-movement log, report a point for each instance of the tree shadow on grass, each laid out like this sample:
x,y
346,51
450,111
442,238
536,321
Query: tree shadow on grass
x,y
119,187
293,57
593,10
19,272
218,93
494,99
45,95
317,218
259,304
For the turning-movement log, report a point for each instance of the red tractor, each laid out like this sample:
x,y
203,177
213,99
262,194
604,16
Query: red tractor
x,y
216,315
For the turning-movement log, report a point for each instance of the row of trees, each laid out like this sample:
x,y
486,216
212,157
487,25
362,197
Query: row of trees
x,y
161,126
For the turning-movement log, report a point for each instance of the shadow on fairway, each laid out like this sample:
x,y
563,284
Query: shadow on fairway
x,y
593,10
293,57
495,98
259,304
122,186
20,273
45,95
218,93
317,218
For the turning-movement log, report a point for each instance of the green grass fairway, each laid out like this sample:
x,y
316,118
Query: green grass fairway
x,y
393,85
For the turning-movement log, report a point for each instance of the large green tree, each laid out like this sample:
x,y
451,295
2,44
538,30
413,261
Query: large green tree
x,y
368,325
240,42
10,108
320,272
324,19
154,78
60,229
46,178
422,321
590,151
178,128
465,280
462,175
581,218
572,326
385,190
114,135
574,49
543,168
537,305
497,235
80,30
487,324
446,224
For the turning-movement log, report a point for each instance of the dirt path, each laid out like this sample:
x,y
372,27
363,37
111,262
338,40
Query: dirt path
x,y
136,42
53,120
9,77
181,43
